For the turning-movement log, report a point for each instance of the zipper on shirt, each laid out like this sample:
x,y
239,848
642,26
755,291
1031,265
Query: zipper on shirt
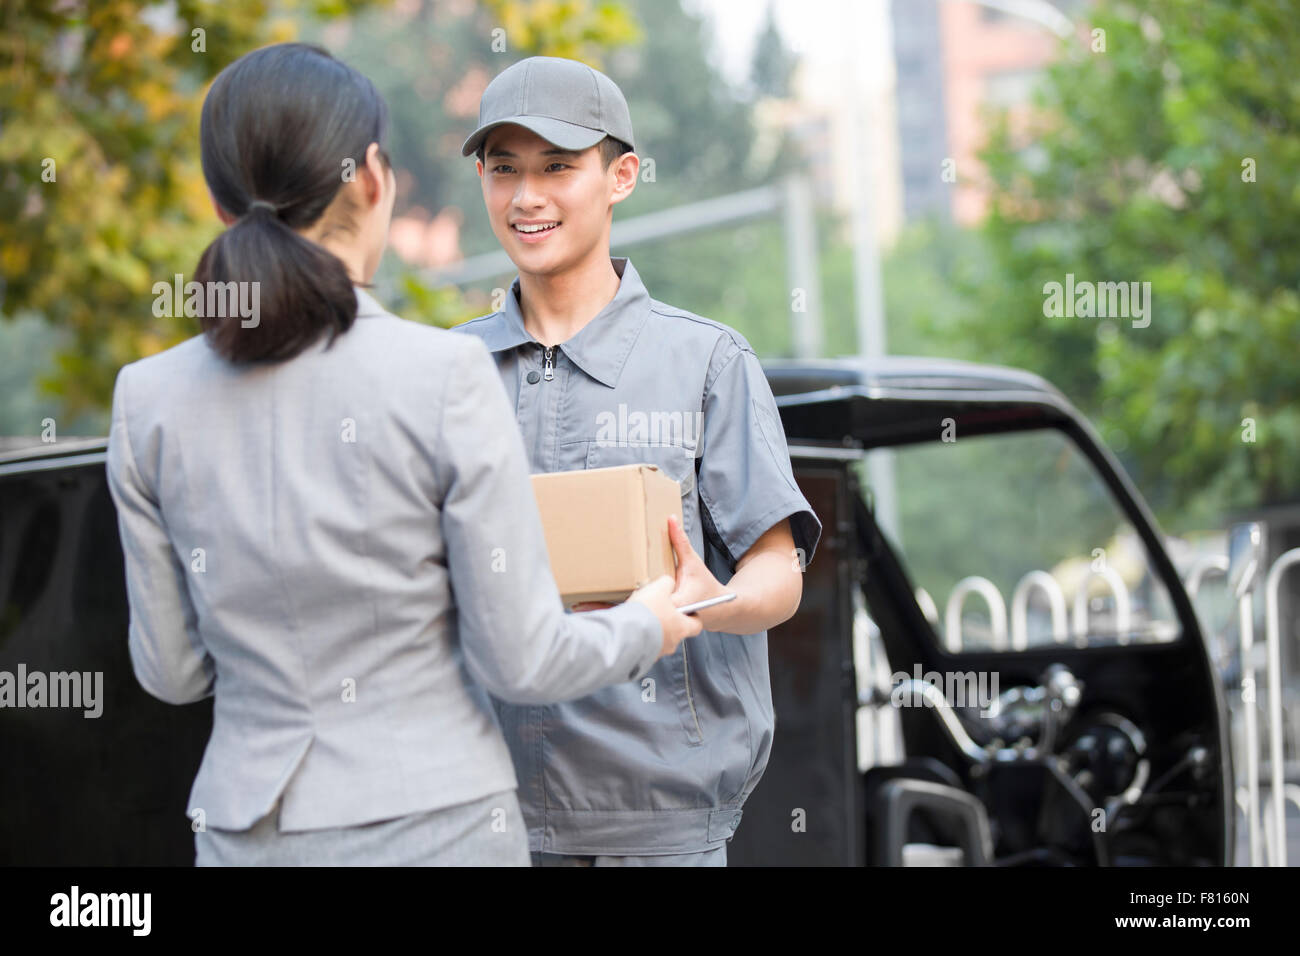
x,y
549,368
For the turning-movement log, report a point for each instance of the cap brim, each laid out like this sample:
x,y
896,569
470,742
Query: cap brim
x,y
556,132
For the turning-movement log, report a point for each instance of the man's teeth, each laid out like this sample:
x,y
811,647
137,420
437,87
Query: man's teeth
x,y
539,227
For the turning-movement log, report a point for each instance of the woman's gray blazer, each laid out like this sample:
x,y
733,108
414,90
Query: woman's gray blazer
x,y
344,548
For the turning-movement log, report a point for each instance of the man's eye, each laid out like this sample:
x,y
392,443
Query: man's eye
x,y
557,166
503,168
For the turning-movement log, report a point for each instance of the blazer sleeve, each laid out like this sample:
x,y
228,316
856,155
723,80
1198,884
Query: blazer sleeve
x,y
167,653
515,635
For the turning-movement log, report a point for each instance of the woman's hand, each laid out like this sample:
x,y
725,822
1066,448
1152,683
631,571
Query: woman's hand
x,y
658,597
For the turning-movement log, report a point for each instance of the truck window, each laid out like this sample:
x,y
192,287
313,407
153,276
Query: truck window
x,y
1013,541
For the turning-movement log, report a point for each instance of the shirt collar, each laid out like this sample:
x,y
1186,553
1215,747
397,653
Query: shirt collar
x,y
602,346
367,306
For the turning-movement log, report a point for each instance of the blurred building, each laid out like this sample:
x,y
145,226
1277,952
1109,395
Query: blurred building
x,y
922,112
955,59
840,112
896,103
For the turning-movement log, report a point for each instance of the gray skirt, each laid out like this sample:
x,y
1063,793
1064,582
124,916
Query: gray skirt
x,y
485,832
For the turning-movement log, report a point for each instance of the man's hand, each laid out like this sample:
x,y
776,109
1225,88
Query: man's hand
x,y
695,582
768,582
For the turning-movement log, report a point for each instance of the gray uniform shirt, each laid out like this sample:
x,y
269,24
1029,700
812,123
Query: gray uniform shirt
x,y
345,549
663,765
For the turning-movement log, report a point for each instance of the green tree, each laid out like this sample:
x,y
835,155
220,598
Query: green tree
x,y
1167,158
103,194
103,191
773,63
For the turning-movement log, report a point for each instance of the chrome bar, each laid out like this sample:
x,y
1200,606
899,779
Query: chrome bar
x,y
1020,608
1246,618
1273,642
955,730
1123,614
997,612
1210,562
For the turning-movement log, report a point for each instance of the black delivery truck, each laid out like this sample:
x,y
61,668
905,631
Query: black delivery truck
x,y
995,663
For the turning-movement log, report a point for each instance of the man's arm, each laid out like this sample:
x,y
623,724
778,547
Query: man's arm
x,y
751,509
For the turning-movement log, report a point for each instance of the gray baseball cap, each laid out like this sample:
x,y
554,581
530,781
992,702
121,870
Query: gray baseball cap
x,y
565,102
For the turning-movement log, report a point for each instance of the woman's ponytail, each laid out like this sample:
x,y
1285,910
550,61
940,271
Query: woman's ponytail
x,y
297,288
279,127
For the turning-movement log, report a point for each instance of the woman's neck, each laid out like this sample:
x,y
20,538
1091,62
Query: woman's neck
x,y
347,252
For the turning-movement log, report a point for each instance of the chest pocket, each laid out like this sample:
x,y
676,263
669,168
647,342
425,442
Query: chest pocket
x,y
673,460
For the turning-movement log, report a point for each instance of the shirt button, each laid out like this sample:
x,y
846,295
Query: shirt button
x,y
735,821
534,377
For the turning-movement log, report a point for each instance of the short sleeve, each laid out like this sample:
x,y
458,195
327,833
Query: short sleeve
x,y
746,484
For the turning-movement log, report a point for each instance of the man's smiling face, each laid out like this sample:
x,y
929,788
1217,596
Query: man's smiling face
x,y
550,207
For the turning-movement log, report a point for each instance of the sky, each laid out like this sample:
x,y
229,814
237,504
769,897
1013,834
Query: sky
x,y
825,32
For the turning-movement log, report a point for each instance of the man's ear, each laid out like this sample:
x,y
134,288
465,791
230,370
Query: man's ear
x,y
626,168
478,167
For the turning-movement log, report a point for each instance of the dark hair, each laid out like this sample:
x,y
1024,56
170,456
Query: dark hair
x,y
277,129
610,150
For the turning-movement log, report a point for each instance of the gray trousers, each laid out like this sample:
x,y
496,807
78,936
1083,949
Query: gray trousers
x,y
485,832
715,857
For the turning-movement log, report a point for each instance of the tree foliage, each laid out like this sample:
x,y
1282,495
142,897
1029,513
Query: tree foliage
x,y
99,116
773,64
1167,158
103,193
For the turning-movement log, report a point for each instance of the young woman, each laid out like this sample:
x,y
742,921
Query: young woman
x,y
327,520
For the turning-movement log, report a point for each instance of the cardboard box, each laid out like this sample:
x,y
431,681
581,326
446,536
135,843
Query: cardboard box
x,y
607,529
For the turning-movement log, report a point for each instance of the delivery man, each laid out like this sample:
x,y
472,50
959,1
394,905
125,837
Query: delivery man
x,y
653,772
